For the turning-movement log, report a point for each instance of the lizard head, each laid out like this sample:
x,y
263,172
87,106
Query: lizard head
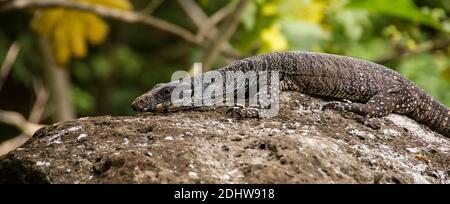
x,y
160,98
173,96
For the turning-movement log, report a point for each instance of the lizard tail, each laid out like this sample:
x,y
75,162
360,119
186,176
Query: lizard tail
x,y
433,114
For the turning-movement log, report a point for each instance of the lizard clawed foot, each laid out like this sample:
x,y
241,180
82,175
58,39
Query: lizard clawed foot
x,y
241,112
372,123
335,105
353,111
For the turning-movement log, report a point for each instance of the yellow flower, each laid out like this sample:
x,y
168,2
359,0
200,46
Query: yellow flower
x,y
269,9
311,11
273,39
97,27
69,31
392,32
411,44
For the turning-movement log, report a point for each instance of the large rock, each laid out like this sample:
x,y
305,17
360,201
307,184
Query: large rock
x,y
301,145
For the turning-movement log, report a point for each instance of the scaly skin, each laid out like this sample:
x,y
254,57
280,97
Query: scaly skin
x,y
375,90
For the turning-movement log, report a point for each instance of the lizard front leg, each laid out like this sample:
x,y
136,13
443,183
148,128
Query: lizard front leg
x,y
264,105
241,111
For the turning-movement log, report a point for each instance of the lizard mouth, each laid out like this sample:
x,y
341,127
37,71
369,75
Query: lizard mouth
x,y
172,106
164,107
160,108
180,104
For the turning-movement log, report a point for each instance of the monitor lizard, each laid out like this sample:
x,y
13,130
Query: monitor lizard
x,y
369,89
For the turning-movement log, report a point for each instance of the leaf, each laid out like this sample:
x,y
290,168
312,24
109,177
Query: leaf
x,y
122,95
82,75
83,101
446,74
269,9
248,16
354,22
302,35
128,61
369,49
101,66
426,70
405,9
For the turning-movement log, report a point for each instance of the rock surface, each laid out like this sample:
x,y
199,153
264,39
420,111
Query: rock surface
x,y
301,145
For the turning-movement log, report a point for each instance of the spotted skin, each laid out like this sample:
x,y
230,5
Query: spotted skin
x,y
374,90
379,105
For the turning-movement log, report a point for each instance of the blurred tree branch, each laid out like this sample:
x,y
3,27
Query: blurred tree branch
x,y
194,12
226,31
124,16
427,46
10,58
38,109
17,120
28,127
13,143
209,25
151,6
58,83
206,29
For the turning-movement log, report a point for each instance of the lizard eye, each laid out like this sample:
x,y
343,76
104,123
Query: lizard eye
x,y
167,92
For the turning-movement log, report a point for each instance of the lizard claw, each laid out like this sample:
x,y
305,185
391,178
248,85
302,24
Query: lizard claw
x,y
371,123
335,105
241,112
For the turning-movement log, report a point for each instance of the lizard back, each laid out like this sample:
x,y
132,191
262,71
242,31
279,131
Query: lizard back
x,y
341,77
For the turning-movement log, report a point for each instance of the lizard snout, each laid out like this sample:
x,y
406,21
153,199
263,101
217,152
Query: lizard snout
x,y
135,106
141,105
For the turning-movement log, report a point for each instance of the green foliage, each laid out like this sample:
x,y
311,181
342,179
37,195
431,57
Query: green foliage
x,y
399,8
128,61
83,100
303,36
426,70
